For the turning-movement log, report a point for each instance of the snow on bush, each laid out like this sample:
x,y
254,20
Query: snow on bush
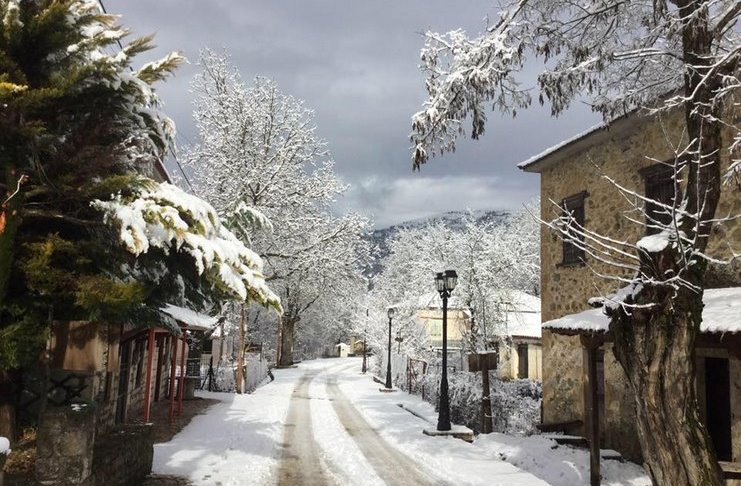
x,y
515,404
161,215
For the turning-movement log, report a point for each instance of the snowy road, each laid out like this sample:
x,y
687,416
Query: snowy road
x,y
392,467
324,423
301,462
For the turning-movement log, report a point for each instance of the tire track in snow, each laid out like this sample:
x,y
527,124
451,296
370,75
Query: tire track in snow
x,y
301,463
389,463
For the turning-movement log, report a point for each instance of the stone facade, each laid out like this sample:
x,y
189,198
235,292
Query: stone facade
x,y
123,457
106,449
631,144
65,446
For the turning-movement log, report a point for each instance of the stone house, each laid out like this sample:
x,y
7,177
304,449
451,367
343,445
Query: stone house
x,y
571,174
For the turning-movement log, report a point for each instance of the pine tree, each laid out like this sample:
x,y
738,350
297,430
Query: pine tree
x,y
80,132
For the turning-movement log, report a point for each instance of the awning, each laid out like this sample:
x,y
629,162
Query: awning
x,y
193,320
721,314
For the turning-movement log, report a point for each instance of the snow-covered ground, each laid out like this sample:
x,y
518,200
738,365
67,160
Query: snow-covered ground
x,y
325,423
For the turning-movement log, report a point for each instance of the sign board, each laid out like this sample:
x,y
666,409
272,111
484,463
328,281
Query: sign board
x,y
481,361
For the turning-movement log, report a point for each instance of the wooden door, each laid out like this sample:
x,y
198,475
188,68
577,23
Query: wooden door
x,y
123,382
718,406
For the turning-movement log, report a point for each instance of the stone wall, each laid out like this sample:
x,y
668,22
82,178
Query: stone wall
x,y
123,457
65,446
619,153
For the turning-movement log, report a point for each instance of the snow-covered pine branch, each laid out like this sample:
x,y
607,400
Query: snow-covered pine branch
x,y
162,216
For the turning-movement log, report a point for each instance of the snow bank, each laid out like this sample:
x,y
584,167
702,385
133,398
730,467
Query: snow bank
x,y
235,442
558,465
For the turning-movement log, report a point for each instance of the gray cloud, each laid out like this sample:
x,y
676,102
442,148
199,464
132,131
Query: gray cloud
x,y
355,64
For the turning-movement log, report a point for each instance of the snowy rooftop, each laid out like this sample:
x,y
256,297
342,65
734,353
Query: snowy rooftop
x,y
520,310
190,318
720,315
432,300
512,300
535,158
524,324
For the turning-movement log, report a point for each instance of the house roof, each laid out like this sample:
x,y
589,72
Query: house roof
x,y
721,314
520,311
432,300
513,300
192,319
523,324
594,136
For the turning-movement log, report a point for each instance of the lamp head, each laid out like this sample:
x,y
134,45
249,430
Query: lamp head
x,y
440,281
451,279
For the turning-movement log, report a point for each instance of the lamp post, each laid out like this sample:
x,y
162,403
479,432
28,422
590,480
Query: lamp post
x,y
388,362
445,282
365,366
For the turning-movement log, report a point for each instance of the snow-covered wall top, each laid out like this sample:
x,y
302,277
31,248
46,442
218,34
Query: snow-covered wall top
x,y
720,315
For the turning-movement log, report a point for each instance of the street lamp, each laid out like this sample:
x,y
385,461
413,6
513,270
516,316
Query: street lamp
x,y
445,282
388,362
365,367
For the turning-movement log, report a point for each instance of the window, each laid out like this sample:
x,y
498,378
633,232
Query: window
x,y
574,205
208,346
659,186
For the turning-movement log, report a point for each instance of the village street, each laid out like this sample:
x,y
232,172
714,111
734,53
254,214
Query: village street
x,y
326,423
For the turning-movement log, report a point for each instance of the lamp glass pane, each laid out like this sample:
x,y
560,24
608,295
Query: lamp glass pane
x,y
440,282
391,312
451,279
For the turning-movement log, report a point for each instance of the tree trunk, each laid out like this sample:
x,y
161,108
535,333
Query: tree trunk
x,y
9,220
286,341
656,348
7,405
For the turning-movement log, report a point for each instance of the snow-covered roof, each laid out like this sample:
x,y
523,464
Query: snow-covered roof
x,y
721,314
191,318
432,300
555,148
515,300
524,324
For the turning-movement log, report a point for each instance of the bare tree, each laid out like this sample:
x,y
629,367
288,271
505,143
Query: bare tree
x,y
658,57
260,155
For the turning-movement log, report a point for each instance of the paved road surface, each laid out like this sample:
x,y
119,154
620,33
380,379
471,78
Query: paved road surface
x,y
302,465
391,465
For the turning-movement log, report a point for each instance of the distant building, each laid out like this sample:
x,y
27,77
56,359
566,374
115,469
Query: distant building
x,y
343,350
517,336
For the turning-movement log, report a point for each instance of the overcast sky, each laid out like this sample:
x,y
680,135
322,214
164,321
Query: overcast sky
x,y
355,63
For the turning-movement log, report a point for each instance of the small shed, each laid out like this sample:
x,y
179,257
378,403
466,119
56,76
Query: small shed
x,y
343,350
